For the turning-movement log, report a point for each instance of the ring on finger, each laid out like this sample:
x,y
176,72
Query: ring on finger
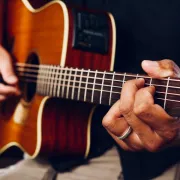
x,y
126,133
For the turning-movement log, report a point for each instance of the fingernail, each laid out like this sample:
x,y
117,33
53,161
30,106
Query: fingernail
x,y
153,64
140,81
12,79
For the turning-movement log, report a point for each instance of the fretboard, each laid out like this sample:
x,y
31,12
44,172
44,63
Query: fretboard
x,y
99,87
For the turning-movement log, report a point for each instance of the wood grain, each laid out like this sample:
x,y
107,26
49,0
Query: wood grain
x,y
32,32
64,124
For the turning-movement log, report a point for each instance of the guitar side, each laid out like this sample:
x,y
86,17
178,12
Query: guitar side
x,y
43,126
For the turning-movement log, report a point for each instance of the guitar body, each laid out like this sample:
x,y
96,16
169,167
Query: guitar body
x,y
43,125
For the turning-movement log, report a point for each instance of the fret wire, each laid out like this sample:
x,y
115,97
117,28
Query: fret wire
x,y
69,80
103,90
39,86
122,81
100,100
110,97
169,100
108,73
59,83
48,80
80,81
120,87
99,72
56,83
53,80
93,86
137,76
166,92
116,92
150,84
46,73
72,95
120,90
42,86
64,82
85,93
29,75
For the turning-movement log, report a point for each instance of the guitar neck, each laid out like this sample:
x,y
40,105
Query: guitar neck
x,y
99,87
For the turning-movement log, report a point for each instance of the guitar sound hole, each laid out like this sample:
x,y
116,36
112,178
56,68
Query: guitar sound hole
x,y
31,72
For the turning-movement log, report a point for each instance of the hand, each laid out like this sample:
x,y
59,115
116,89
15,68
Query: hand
x,y
152,127
7,73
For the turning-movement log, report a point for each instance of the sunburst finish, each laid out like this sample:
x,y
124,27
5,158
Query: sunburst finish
x,y
46,126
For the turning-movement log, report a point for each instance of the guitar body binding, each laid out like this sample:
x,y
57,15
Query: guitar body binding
x,y
41,125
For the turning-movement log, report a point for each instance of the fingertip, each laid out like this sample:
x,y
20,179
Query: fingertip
x,y
151,87
152,68
11,79
2,98
144,63
140,82
149,64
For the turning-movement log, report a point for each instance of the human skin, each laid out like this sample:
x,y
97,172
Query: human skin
x,y
152,127
10,88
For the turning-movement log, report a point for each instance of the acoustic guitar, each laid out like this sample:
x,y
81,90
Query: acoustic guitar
x,y
64,59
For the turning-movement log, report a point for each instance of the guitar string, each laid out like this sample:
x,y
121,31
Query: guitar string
x,y
33,81
91,71
115,80
110,79
103,90
89,83
99,72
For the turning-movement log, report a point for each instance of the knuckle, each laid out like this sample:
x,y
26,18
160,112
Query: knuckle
x,y
171,73
170,135
108,122
2,90
128,83
125,147
137,147
153,145
2,98
128,149
124,110
141,110
167,64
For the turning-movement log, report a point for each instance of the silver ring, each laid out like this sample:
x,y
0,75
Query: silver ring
x,y
126,133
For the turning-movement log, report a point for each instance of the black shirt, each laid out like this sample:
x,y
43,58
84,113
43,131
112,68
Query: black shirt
x,y
146,29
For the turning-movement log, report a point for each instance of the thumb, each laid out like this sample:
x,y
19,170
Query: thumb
x,y
161,69
6,68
